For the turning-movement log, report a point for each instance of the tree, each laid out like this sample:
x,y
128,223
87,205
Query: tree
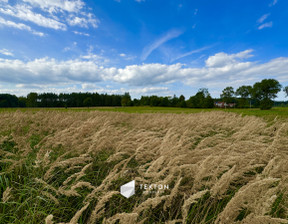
x,y
154,101
22,101
8,100
202,99
209,102
174,101
126,100
32,100
204,91
48,100
88,102
182,102
182,98
165,102
265,91
228,95
245,93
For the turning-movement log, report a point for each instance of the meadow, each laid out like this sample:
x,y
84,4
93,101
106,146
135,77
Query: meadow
x,y
279,112
67,165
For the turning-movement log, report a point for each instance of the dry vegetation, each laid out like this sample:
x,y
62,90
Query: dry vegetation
x,y
67,167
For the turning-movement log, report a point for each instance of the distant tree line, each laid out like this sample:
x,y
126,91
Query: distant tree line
x,y
260,95
201,100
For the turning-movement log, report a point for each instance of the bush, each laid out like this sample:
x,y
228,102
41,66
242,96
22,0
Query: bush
x,y
266,104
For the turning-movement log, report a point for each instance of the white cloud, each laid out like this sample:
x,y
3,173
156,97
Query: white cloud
x,y
263,18
81,33
127,57
24,89
221,70
25,13
140,91
74,21
157,43
133,91
83,21
6,52
273,3
56,5
147,74
190,53
149,90
222,59
96,58
47,70
19,26
265,25
54,14
89,86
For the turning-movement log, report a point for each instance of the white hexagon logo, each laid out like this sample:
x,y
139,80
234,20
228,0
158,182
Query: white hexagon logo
x,y
128,190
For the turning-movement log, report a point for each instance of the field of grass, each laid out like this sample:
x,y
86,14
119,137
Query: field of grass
x,y
68,167
279,112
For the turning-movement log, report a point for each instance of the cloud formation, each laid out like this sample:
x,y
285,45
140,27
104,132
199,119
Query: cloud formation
x,y
54,6
25,13
83,21
222,59
6,52
263,18
219,70
265,25
273,3
81,33
157,43
52,14
190,53
20,26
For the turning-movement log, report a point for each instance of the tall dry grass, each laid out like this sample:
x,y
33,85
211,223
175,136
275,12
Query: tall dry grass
x,y
220,167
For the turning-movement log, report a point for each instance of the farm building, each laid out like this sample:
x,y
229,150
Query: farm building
x,y
224,105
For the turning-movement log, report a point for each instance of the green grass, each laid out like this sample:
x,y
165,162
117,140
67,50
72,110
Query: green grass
x,y
28,204
278,207
207,208
280,112
242,214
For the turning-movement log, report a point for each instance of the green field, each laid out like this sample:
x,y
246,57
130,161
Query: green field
x,y
279,112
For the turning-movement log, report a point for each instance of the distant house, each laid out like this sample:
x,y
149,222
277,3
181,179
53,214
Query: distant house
x,y
224,105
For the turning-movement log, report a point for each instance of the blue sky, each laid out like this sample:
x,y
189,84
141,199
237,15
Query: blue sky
x,y
144,47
